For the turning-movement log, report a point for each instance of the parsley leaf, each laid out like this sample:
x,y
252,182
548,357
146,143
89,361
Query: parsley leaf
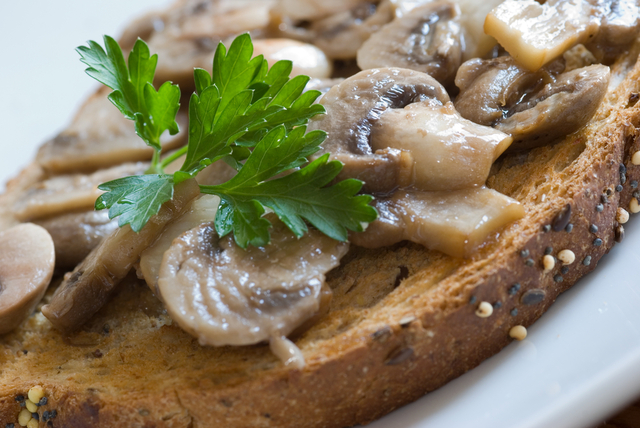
x,y
133,92
303,194
135,199
240,102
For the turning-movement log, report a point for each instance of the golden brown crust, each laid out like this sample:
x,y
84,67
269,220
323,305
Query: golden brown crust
x,y
402,322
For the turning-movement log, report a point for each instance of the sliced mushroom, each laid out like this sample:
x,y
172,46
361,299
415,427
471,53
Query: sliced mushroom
x,y
76,234
27,259
455,223
618,28
186,35
536,34
322,85
558,109
224,295
65,193
354,106
489,88
200,210
427,39
85,290
100,137
449,152
314,9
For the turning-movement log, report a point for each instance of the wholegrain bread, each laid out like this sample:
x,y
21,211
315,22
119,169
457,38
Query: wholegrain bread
x,y
402,320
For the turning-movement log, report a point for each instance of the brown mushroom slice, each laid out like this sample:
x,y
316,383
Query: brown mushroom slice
x,y
558,109
354,105
535,34
489,88
100,137
449,152
76,234
85,290
27,259
224,295
456,223
200,210
618,29
65,193
427,39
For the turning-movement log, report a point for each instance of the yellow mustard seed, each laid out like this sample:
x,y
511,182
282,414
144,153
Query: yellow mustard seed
x,y
24,417
32,424
518,332
566,257
548,262
36,393
622,216
31,406
485,309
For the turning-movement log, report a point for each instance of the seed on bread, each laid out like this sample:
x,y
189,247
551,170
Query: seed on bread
x,y
485,309
518,332
24,417
533,296
635,158
566,257
561,220
35,394
622,215
548,262
634,206
31,406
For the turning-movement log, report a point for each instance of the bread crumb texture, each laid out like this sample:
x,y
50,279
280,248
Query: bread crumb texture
x,y
403,320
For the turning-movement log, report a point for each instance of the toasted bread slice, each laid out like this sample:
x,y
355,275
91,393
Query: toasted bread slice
x,y
402,321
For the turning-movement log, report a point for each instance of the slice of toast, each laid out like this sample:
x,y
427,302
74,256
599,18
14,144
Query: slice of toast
x,y
402,321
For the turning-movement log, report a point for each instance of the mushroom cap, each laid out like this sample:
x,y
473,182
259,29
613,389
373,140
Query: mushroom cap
x,y
27,259
354,105
224,295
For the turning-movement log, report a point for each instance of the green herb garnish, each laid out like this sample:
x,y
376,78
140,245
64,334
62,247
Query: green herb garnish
x,y
249,115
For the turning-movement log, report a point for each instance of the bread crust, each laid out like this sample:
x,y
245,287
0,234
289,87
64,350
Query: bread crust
x,y
402,323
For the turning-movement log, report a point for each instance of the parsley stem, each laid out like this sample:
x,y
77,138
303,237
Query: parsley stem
x,y
156,167
173,156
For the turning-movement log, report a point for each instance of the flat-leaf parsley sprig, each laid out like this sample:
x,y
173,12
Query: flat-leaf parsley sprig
x,y
249,115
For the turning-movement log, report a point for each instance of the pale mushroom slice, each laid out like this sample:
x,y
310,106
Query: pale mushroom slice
x,y
456,223
65,193
76,234
100,137
224,295
200,210
314,9
354,105
427,39
27,259
449,151
558,109
85,290
535,34
307,59
618,29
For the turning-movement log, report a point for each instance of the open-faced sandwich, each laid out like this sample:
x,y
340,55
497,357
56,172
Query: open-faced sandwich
x,y
313,242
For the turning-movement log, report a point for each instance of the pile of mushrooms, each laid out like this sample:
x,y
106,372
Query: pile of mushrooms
x,y
429,102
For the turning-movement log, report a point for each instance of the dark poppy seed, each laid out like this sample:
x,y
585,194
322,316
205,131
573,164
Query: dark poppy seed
x,y
623,178
9,426
622,169
54,414
558,278
532,297
597,242
561,219
564,270
593,228
634,184
546,228
497,305
46,415
514,312
514,288
587,261
619,188
636,194
599,208
530,262
472,299
619,233
524,253
22,404
548,251
35,416
43,401
20,398
569,228
604,199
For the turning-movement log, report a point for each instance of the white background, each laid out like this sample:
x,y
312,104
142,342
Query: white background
x,y
580,362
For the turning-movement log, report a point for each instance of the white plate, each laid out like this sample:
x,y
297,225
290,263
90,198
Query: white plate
x,y
580,362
